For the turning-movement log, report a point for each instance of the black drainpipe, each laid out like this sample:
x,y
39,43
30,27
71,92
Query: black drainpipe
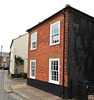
x,y
62,95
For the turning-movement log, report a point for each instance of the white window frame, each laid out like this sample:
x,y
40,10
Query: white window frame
x,y
30,69
58,22
34,41
50,80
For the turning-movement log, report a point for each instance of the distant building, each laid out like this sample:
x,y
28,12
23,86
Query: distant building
x,y
19,47
4,59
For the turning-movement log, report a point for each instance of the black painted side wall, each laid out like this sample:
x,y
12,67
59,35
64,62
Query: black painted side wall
x,y
80,50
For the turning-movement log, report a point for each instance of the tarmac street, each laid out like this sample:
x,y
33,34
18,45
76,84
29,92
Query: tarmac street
x,y
3,94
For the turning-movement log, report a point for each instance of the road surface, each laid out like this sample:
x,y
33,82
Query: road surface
x,y
3,94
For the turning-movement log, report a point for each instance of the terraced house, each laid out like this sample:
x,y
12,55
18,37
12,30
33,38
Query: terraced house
x,y
19,48
61,53
4,59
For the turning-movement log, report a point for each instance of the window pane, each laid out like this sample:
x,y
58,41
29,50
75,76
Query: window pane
x,y
33,73
33,63
56,62
56,67
34,45
52,39
52,67
33,68
55,29
54,70
58,28
55,38
53,73
52,30
52,63
57,76
33,38
52,77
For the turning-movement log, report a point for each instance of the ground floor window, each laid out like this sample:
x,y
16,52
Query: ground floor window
x,y
32,68
54,70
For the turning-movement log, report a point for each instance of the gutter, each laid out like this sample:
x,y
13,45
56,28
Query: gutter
x,y
62,95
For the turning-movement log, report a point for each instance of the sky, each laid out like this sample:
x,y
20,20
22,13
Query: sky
x,y
16,16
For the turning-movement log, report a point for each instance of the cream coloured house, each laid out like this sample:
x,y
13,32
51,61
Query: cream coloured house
x,y
19,47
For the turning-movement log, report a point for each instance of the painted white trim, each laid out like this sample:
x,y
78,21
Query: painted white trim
x,y
52,81
36,41
30,69
51,34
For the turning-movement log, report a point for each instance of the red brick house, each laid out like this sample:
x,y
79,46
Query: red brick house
x,y
61,52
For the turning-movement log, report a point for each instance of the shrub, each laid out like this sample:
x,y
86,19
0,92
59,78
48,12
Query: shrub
x,y
18,76
24,75
21,75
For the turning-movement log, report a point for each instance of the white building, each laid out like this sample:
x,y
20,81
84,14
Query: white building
x,y
19,47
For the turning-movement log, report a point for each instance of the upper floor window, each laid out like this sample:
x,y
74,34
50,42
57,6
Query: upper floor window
x,y
55,33
33,41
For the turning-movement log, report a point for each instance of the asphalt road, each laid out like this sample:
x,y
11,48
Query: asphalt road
x,y
3,94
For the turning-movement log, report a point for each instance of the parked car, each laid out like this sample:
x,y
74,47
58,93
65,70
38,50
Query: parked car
x,y
5,68
0,67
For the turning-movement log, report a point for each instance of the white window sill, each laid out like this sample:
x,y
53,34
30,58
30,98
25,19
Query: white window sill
x,y
54,44
54,82
33,49
32,77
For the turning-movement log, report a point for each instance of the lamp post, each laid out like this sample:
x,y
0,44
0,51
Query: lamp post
x,y
1,49
1,56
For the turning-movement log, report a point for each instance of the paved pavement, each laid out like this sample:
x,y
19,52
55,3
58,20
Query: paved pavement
x,y
29,93
3,94
18,88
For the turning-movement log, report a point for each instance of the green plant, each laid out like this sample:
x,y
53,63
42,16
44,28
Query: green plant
x,y
24,75
19,60
21,75
18,75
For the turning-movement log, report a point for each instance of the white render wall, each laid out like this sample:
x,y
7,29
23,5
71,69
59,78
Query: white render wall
x,y
12,59
19,48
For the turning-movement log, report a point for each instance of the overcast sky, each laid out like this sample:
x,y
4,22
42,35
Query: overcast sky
x,y
16,16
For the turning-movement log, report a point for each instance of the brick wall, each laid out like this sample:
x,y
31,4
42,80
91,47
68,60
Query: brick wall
x,y
44,51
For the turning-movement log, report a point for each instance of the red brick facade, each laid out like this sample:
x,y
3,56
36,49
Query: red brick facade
x,y
44,51
66,51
